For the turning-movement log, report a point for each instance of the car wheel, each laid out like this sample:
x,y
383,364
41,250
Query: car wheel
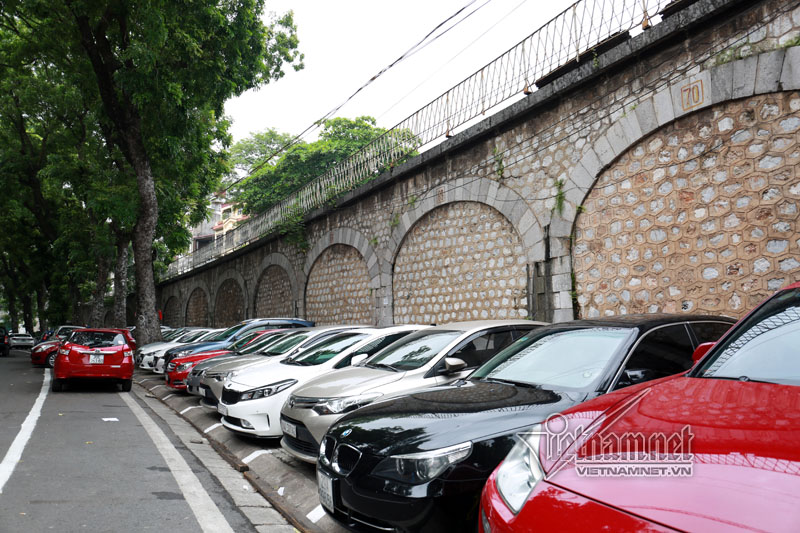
x,y
51,359
58,385
126,385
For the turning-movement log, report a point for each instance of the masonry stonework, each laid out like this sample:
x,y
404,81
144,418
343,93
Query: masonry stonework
x,y
230,304
197,309
172,313
338,288
274,294
461,261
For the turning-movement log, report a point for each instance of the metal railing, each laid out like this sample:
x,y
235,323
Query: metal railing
x,y
582,27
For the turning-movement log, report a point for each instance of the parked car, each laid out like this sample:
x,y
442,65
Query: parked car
x,y
19,341
5,346
96,354
252,398
214,378
419,461
433,356
45,353
197,373
166,337
726,434
147,357
227,337
179,368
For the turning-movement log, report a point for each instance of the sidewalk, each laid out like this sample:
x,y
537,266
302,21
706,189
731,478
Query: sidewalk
x,y
289,485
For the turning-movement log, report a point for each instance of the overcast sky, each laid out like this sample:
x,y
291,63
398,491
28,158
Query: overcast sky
x,y
346,42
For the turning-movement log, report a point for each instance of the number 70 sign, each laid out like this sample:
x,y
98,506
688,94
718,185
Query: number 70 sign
x,y
692,95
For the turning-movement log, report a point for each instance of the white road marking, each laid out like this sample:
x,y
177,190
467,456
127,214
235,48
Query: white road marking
x,y
111,420
167,396
316,514
189,409
205,510
212,427
255,454
157,386
14,453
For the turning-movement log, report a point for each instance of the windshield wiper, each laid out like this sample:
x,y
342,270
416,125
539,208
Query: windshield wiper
x,y
510,382
743,378
382,365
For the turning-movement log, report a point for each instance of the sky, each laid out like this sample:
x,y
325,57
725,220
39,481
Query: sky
x,y
347,42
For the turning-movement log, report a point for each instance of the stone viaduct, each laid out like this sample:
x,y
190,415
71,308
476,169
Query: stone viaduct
x,y
661,176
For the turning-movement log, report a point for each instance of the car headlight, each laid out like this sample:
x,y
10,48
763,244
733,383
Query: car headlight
x,y
336,406
415,468
269,390
521,470
39,348
185,366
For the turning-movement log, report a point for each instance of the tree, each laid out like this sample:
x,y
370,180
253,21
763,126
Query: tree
x,y
161,72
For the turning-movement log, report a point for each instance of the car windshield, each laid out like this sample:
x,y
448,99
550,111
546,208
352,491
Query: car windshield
x,y
259,344
763,348
326,350
192,335
572,360
246,338
412,351
97,339
285,345
225,334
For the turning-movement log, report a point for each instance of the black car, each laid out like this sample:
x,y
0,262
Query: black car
x,y
5,343
418,462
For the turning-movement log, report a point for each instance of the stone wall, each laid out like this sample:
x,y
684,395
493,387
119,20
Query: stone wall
x,y
540,172
229,308
197,309
274,294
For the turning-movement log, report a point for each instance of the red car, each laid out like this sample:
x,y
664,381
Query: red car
x,y
95,353
714,449
178,369
45,352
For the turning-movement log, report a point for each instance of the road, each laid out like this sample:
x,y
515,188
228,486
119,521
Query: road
x,y
100,460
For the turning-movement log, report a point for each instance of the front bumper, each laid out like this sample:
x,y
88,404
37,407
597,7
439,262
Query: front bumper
x,y
259,418
176,380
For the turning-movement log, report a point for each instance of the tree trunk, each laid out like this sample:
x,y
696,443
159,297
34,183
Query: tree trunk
x,y
13,318
75,295
41,304
27,313
121,282
99,293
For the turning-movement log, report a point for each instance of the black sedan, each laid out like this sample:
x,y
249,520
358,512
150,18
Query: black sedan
x,y
418,462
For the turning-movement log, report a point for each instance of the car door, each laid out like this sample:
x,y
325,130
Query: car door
x,y
662,351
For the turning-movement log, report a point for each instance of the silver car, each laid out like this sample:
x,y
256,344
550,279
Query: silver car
x,y
213,381
20,341
429,357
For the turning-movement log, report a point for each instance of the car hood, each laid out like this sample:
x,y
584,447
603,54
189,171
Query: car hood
x,y
348,382
448,415
744,441
243,362
202,356
214,361
195,347
261,375
47,344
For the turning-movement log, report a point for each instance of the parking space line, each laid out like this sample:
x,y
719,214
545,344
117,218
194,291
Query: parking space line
x,y
212,427
209,517
189,409
14,453
317,513
165,398
255,454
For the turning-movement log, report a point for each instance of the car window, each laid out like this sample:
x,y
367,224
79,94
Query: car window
x,y
246,338
480,349
285,345
763,347
258,345
709,331
414,351
97,339
327,350
573,359
661,352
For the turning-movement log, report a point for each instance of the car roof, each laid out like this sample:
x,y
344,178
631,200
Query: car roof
x,y
471,325
640,320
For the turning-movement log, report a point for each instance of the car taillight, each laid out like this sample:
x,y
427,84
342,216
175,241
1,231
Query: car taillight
x,y
64,351
127,353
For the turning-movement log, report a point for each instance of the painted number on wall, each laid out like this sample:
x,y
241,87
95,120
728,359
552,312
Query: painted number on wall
x,y
692,95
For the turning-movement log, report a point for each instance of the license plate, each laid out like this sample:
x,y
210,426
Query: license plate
x,y
96,358
221,409
325,485
289,428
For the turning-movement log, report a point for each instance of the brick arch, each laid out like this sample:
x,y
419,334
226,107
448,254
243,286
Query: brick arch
x,y
461,261
338,287
503,199
172,312
269,263
667,271
230,299
197,309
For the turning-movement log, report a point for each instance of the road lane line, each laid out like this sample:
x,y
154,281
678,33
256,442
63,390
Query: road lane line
x,y
205,510
14,453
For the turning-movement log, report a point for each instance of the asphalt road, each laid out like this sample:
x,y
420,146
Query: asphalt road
x,y
90,465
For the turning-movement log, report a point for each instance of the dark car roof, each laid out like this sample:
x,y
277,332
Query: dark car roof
x,y
643,321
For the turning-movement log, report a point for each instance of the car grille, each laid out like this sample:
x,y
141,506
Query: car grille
x,y
300,402
232,420
345,459
229,396
304,442
330,444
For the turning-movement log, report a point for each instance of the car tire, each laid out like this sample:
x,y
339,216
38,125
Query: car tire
x,y
58,385
126,385
51,359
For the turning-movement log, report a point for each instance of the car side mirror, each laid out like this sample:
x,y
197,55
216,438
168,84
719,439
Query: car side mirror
x,y
357,358
701,350
453,365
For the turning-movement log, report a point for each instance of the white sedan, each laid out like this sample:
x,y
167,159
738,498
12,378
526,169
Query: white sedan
x,y
252,400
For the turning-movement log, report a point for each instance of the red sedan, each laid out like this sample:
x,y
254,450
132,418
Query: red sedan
x,y
95,353
714,449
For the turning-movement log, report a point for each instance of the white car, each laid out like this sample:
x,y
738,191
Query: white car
x,y
194,335
252,398
20,340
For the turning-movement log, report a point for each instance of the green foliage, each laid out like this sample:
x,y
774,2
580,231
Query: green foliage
x,y
293,229
499,165
412,201
560,197
395,221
